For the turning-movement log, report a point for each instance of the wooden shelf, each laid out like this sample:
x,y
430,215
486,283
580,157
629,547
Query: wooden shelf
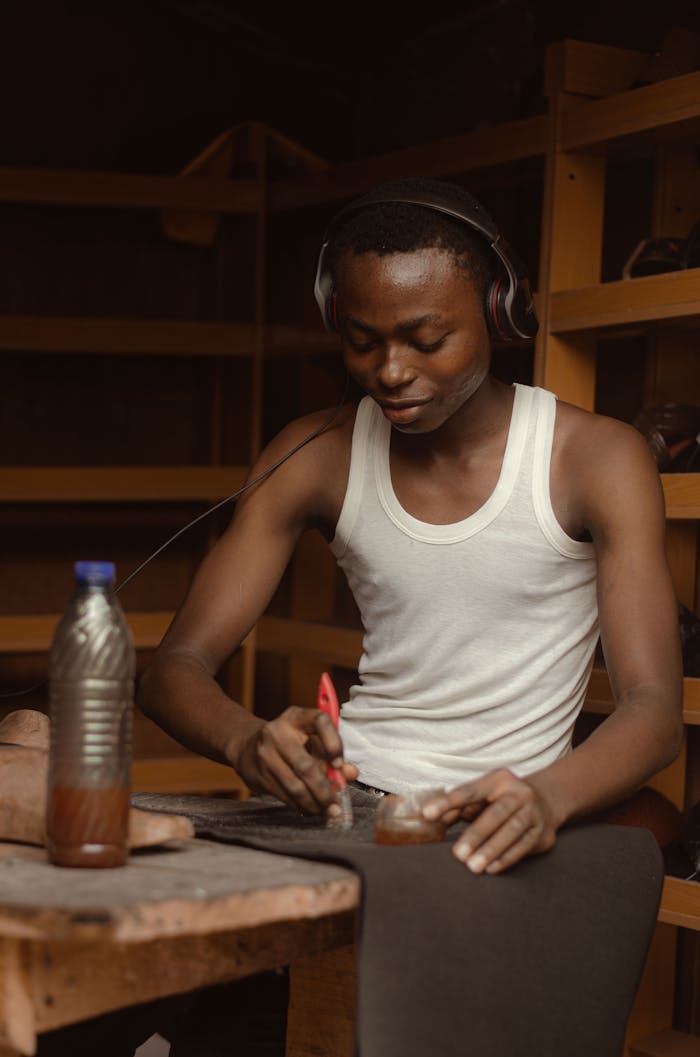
x,y
599,699
153,337
667,1044
482,149
128,190
156,337
671,296
680,903
33,633
285,340
674,102
114,484
341,646
682,495
184,774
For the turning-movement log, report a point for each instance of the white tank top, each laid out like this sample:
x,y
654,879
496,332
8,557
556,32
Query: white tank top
x,y
478,635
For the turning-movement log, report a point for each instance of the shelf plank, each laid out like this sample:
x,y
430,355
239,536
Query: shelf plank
x,y
680,903
582,68
333,645
462,153
155,337
286,340
184,774
599,698
33,633
667,1044
110,484
674,295
671,102
682,495
128,190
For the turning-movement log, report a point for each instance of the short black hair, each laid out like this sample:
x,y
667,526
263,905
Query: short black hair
x,y
402,227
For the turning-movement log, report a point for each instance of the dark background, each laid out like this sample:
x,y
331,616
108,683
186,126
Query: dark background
x,y
144,85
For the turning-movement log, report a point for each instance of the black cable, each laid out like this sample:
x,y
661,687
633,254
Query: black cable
x,y
217,506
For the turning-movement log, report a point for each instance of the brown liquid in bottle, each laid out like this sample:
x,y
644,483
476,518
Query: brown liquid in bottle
x,y
88,827
408,831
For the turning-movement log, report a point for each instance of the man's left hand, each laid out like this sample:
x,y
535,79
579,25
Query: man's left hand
x,y
511,819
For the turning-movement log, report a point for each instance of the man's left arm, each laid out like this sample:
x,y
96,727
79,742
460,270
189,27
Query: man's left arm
x,y
622,507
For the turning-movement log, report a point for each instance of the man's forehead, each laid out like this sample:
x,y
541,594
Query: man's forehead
x,y
432,272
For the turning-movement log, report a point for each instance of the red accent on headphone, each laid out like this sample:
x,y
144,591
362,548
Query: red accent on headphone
x,y
494,310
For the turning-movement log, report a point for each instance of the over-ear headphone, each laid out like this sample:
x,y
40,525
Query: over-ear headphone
x,y
508,308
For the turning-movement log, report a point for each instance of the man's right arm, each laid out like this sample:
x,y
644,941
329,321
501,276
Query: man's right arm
x,y
230,592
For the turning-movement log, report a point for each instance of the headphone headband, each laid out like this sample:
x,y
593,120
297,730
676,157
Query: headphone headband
x,y
509,309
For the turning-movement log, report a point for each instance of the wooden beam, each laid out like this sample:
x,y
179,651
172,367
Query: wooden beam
x,y
33,633
667,1044
674,295
157,337
680,903
582,68
153,337
682,495
290,340
640,110
112,484
126,190
184,774
466,152
341,646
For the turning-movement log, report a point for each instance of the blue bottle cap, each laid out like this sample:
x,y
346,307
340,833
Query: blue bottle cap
x,y
94,574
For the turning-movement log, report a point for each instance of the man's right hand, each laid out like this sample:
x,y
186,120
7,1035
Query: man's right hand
x,y
288,756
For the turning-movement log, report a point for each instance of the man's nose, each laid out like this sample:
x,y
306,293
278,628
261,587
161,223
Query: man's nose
x,y
396,368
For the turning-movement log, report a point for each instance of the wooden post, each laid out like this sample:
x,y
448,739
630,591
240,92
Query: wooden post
x,y
17,1026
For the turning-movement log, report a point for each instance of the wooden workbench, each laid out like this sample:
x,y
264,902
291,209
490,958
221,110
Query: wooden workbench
x,y
78,943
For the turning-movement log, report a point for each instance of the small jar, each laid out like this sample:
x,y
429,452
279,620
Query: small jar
x,y
399,819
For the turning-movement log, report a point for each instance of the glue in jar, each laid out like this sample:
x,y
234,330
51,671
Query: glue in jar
x,y
91,689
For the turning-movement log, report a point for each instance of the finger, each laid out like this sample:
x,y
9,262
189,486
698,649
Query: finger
x,y
350,771
451,816
489,822
314,745
331,742
314,723
286,760
528,845
458,802
520,826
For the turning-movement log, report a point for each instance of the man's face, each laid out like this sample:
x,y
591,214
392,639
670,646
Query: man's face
x,y
413,334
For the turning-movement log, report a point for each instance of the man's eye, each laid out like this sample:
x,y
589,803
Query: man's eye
x,y
362,346
429,348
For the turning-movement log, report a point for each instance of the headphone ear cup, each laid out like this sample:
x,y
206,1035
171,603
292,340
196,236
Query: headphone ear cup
x,y
508,321
495,311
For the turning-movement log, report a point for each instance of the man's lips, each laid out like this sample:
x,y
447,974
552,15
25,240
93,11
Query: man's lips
x,y
402,411
400,405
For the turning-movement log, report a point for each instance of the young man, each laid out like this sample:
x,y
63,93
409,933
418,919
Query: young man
x,y
487,532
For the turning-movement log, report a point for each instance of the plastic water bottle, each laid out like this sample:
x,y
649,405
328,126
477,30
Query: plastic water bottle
x,y
91,680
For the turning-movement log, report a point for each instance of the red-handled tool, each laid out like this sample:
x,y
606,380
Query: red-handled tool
x,y
328,703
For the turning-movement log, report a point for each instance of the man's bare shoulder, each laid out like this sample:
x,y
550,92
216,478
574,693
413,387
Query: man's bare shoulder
x,y
586,439
319,435
605,470
305,469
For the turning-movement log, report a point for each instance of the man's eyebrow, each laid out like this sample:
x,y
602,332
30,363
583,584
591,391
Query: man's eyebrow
x,y
408,324
360,324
